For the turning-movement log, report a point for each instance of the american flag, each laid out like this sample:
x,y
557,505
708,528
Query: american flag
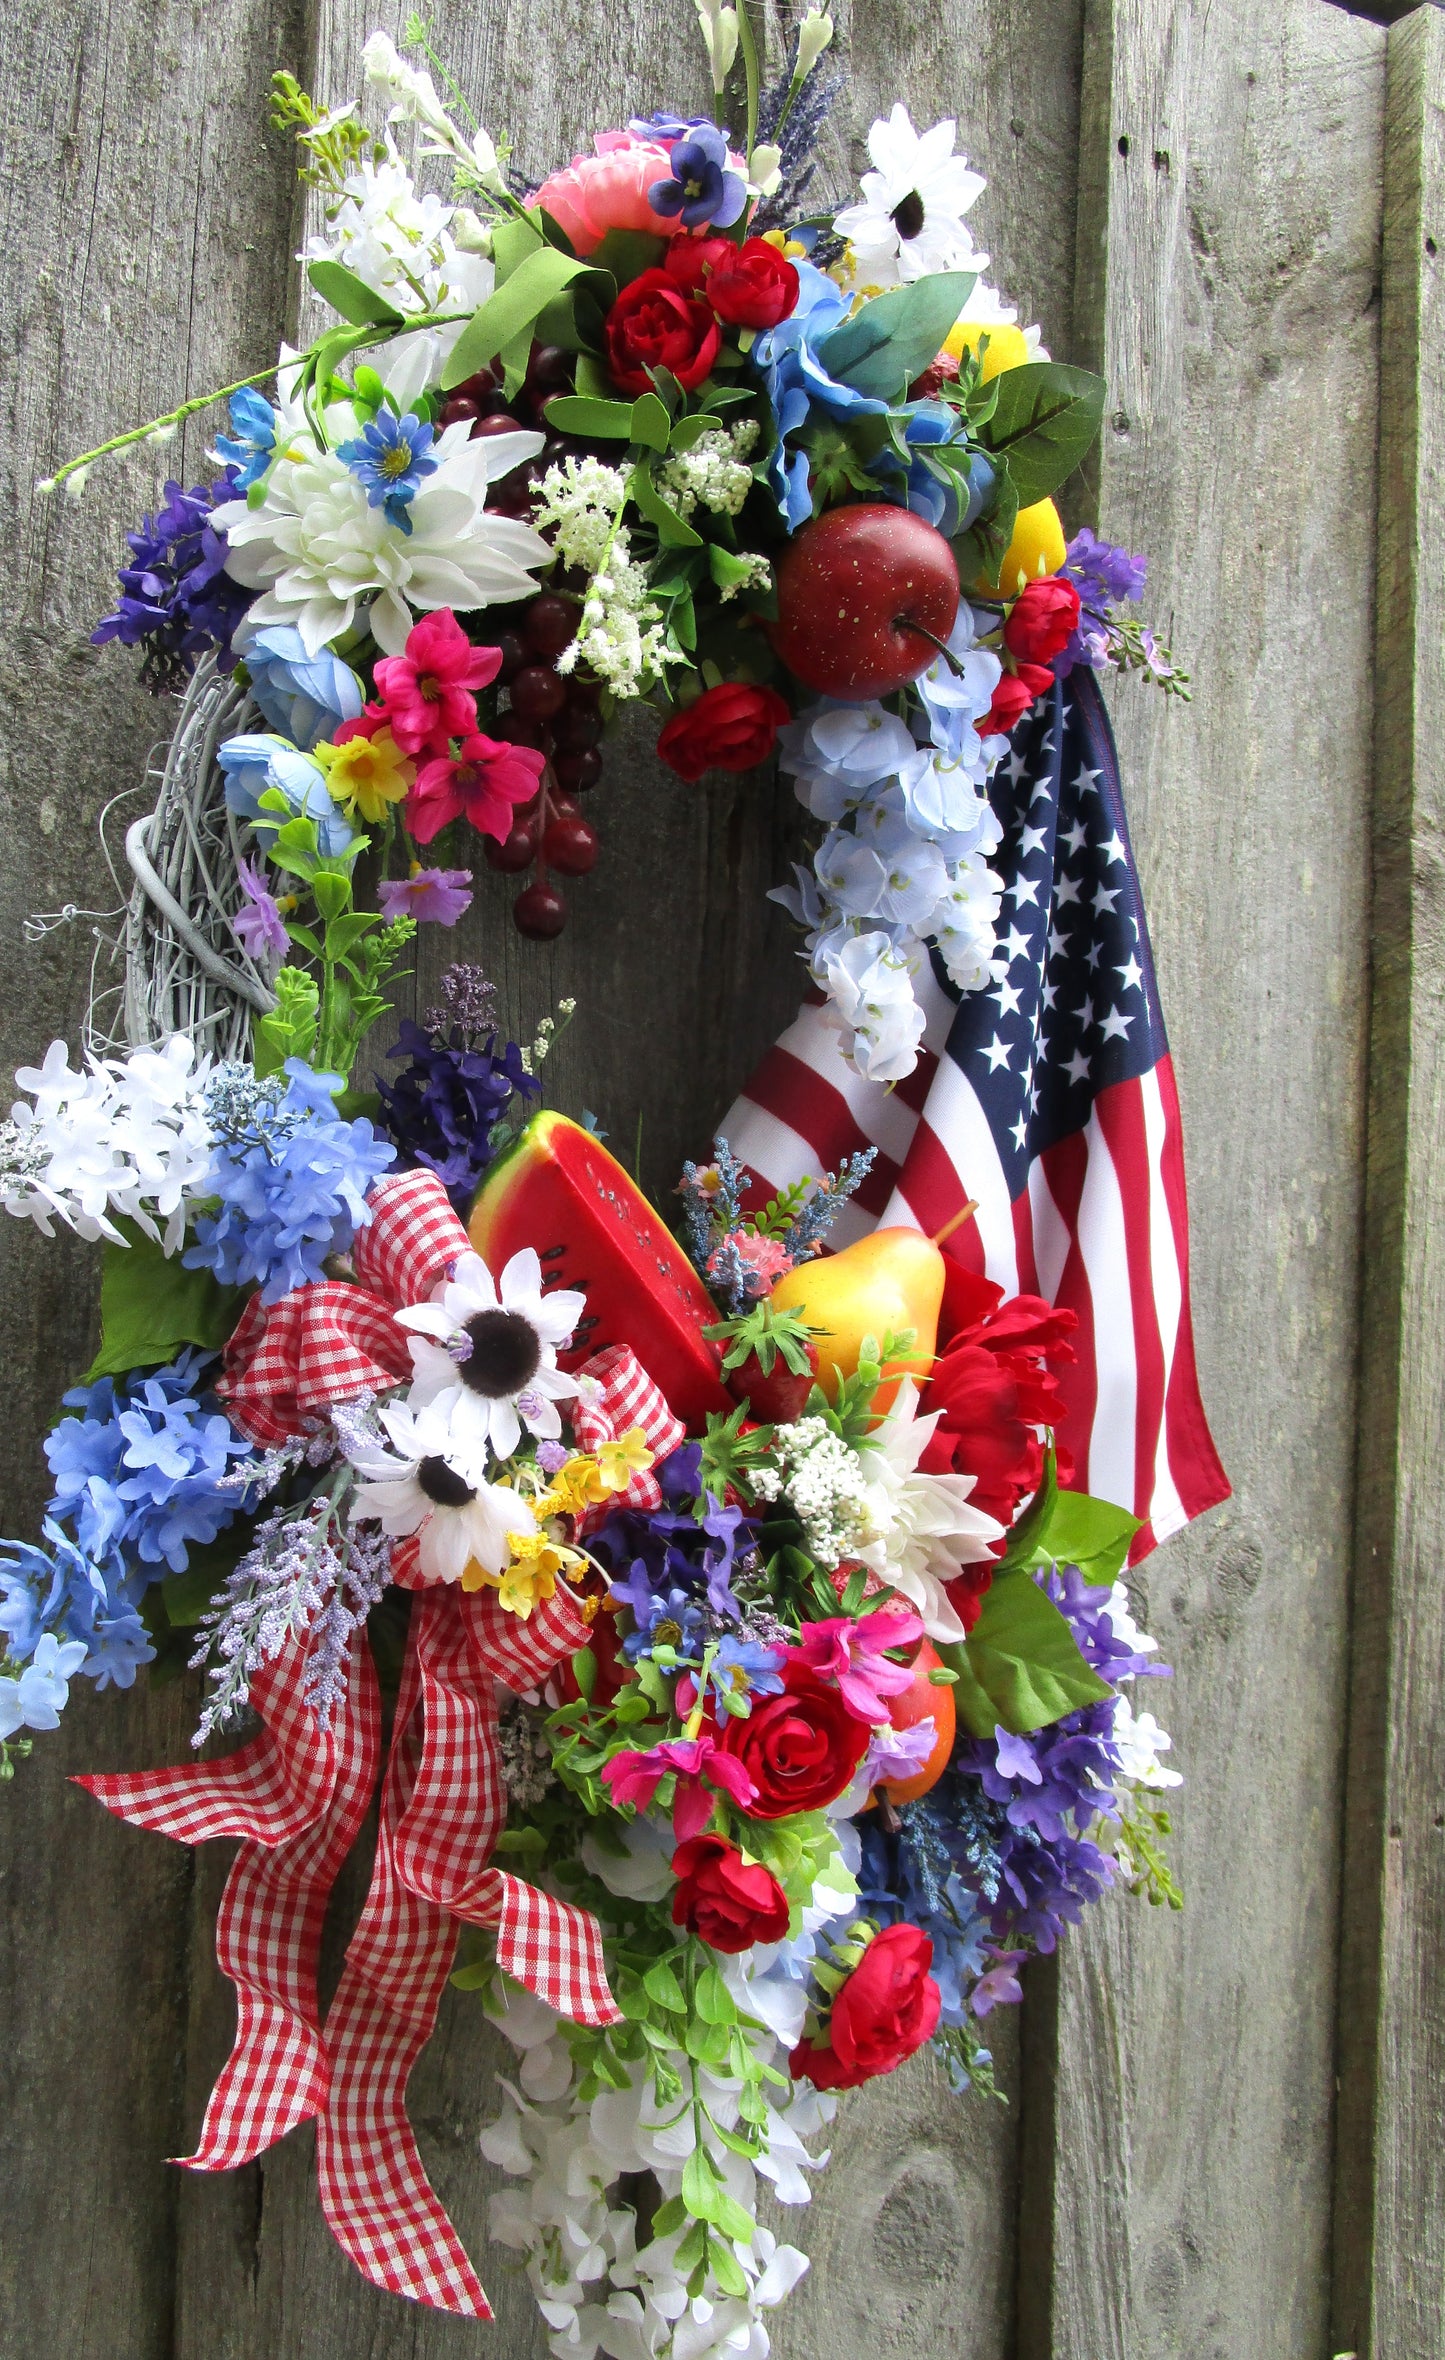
x,y
1049,1100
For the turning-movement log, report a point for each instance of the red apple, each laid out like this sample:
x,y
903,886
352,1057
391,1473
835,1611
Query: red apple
x,y
850,588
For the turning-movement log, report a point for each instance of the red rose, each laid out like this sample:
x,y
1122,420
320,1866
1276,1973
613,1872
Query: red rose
x,y
729,728
753,286
688,260
799,1749
653,325
995,1385
722,1897
1044,615
887,2008
1013,697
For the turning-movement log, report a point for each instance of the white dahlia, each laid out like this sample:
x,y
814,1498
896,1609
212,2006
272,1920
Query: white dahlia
x,y
924,1530
322,557
485,1353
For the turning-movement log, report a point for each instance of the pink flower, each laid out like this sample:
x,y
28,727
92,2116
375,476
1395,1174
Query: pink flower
x,y
999,1985
259,929
436,894
428,691
483,784
635,1778
594,194
851,1655
763,1258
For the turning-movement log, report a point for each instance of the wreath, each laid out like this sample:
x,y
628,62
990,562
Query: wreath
x,y
759,1682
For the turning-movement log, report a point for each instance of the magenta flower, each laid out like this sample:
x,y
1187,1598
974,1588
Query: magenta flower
x,y
852,1654
260,929
635,1777
438,895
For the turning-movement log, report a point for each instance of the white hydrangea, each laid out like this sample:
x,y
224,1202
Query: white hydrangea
x,y
870,994
825,1486
122,1136
1141,1745
715,473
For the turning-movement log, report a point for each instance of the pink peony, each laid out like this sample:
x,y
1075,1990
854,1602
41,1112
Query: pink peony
x,y
594,194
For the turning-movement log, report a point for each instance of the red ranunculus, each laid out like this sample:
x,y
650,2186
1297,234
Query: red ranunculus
x,y
688,261
1013,697
654,325
732,1903
995,1384
729,728
1043,616
753,286
799,1749
887,2008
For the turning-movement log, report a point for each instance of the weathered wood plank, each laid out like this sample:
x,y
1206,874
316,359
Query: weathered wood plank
x,y
1390,2188
144,222
1228,251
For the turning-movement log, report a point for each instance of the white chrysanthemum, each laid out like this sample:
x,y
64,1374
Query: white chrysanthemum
x,y
319,552
485,1353
924,1530
910,222
124,1136
435,1486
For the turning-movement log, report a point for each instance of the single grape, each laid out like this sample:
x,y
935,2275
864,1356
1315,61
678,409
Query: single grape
x,y
578,727
537,692
516,851
571,846
539,911
514,654
578,772
549,625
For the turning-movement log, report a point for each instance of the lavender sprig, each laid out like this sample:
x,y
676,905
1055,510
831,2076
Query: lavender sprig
x,y
806,1232
365,1572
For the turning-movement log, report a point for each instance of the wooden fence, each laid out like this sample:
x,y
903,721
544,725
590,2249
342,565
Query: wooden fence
x,y
1221,2141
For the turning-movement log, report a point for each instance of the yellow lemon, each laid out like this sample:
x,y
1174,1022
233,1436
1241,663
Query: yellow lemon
x,y
1007,347
1038,547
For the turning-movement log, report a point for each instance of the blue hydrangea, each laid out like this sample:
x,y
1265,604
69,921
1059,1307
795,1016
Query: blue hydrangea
x,y
797,383
38,1697
137,1469
292,1190
62,1591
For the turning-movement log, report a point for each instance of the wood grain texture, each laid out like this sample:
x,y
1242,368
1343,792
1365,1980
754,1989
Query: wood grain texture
x,y
1229,231
145,224
1390,2213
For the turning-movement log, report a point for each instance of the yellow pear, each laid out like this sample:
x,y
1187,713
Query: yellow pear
x,y
890,1280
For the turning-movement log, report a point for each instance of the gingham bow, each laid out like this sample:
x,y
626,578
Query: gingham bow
x,y
616,1394
298,1793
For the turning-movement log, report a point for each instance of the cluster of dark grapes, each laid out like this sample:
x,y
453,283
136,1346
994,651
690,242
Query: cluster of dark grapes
x,y
557,713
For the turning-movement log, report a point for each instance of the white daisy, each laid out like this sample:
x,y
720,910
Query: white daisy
x,y
910,223
923,1528
485,1353
323,558
437,1488
986,308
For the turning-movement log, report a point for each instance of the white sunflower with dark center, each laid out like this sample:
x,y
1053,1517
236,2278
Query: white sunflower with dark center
x,y
485,1353
431,1487
910,221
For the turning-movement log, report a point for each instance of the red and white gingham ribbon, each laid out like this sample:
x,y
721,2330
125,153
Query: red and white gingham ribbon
x,y
297,1795
335,1342
616,1394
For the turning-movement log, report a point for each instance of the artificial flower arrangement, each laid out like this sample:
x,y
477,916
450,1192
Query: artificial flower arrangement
x,y
761,1693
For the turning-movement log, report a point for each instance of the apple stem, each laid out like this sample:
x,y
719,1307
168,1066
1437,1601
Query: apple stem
x,y
906,623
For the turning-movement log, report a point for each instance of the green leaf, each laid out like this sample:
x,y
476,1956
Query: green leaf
x,y
891,340
188,1594
700,2187
1092,1534
150,1305
727,571
673,530
332,894
689,432
713,2000
290,1029
661,1984
1021,1667
352,297
627,253
510,312
650,422
512,241
1045,420
669,2216
580,413
727,2269
593,380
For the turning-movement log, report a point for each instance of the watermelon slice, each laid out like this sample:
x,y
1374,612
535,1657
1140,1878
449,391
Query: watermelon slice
x,y
559,1190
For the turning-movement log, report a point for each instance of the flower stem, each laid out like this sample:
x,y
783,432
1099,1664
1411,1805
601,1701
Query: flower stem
x,y
748,44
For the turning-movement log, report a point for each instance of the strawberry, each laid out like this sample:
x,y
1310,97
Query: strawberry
x,y
771,1361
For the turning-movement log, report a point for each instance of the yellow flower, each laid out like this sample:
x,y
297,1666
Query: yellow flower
x,y
572,1488
531,1578
366,774
619,1461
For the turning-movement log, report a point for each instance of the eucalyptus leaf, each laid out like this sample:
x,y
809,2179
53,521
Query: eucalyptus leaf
x,y
1045,421
891,339
650,422
607,421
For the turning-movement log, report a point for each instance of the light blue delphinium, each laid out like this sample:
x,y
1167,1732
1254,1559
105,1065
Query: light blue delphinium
x,y
290,1192
305,697
251,443
259,760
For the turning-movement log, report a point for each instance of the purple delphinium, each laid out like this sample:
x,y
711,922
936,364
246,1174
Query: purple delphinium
x,y
1105,576
177,599
441,1110
650,1555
